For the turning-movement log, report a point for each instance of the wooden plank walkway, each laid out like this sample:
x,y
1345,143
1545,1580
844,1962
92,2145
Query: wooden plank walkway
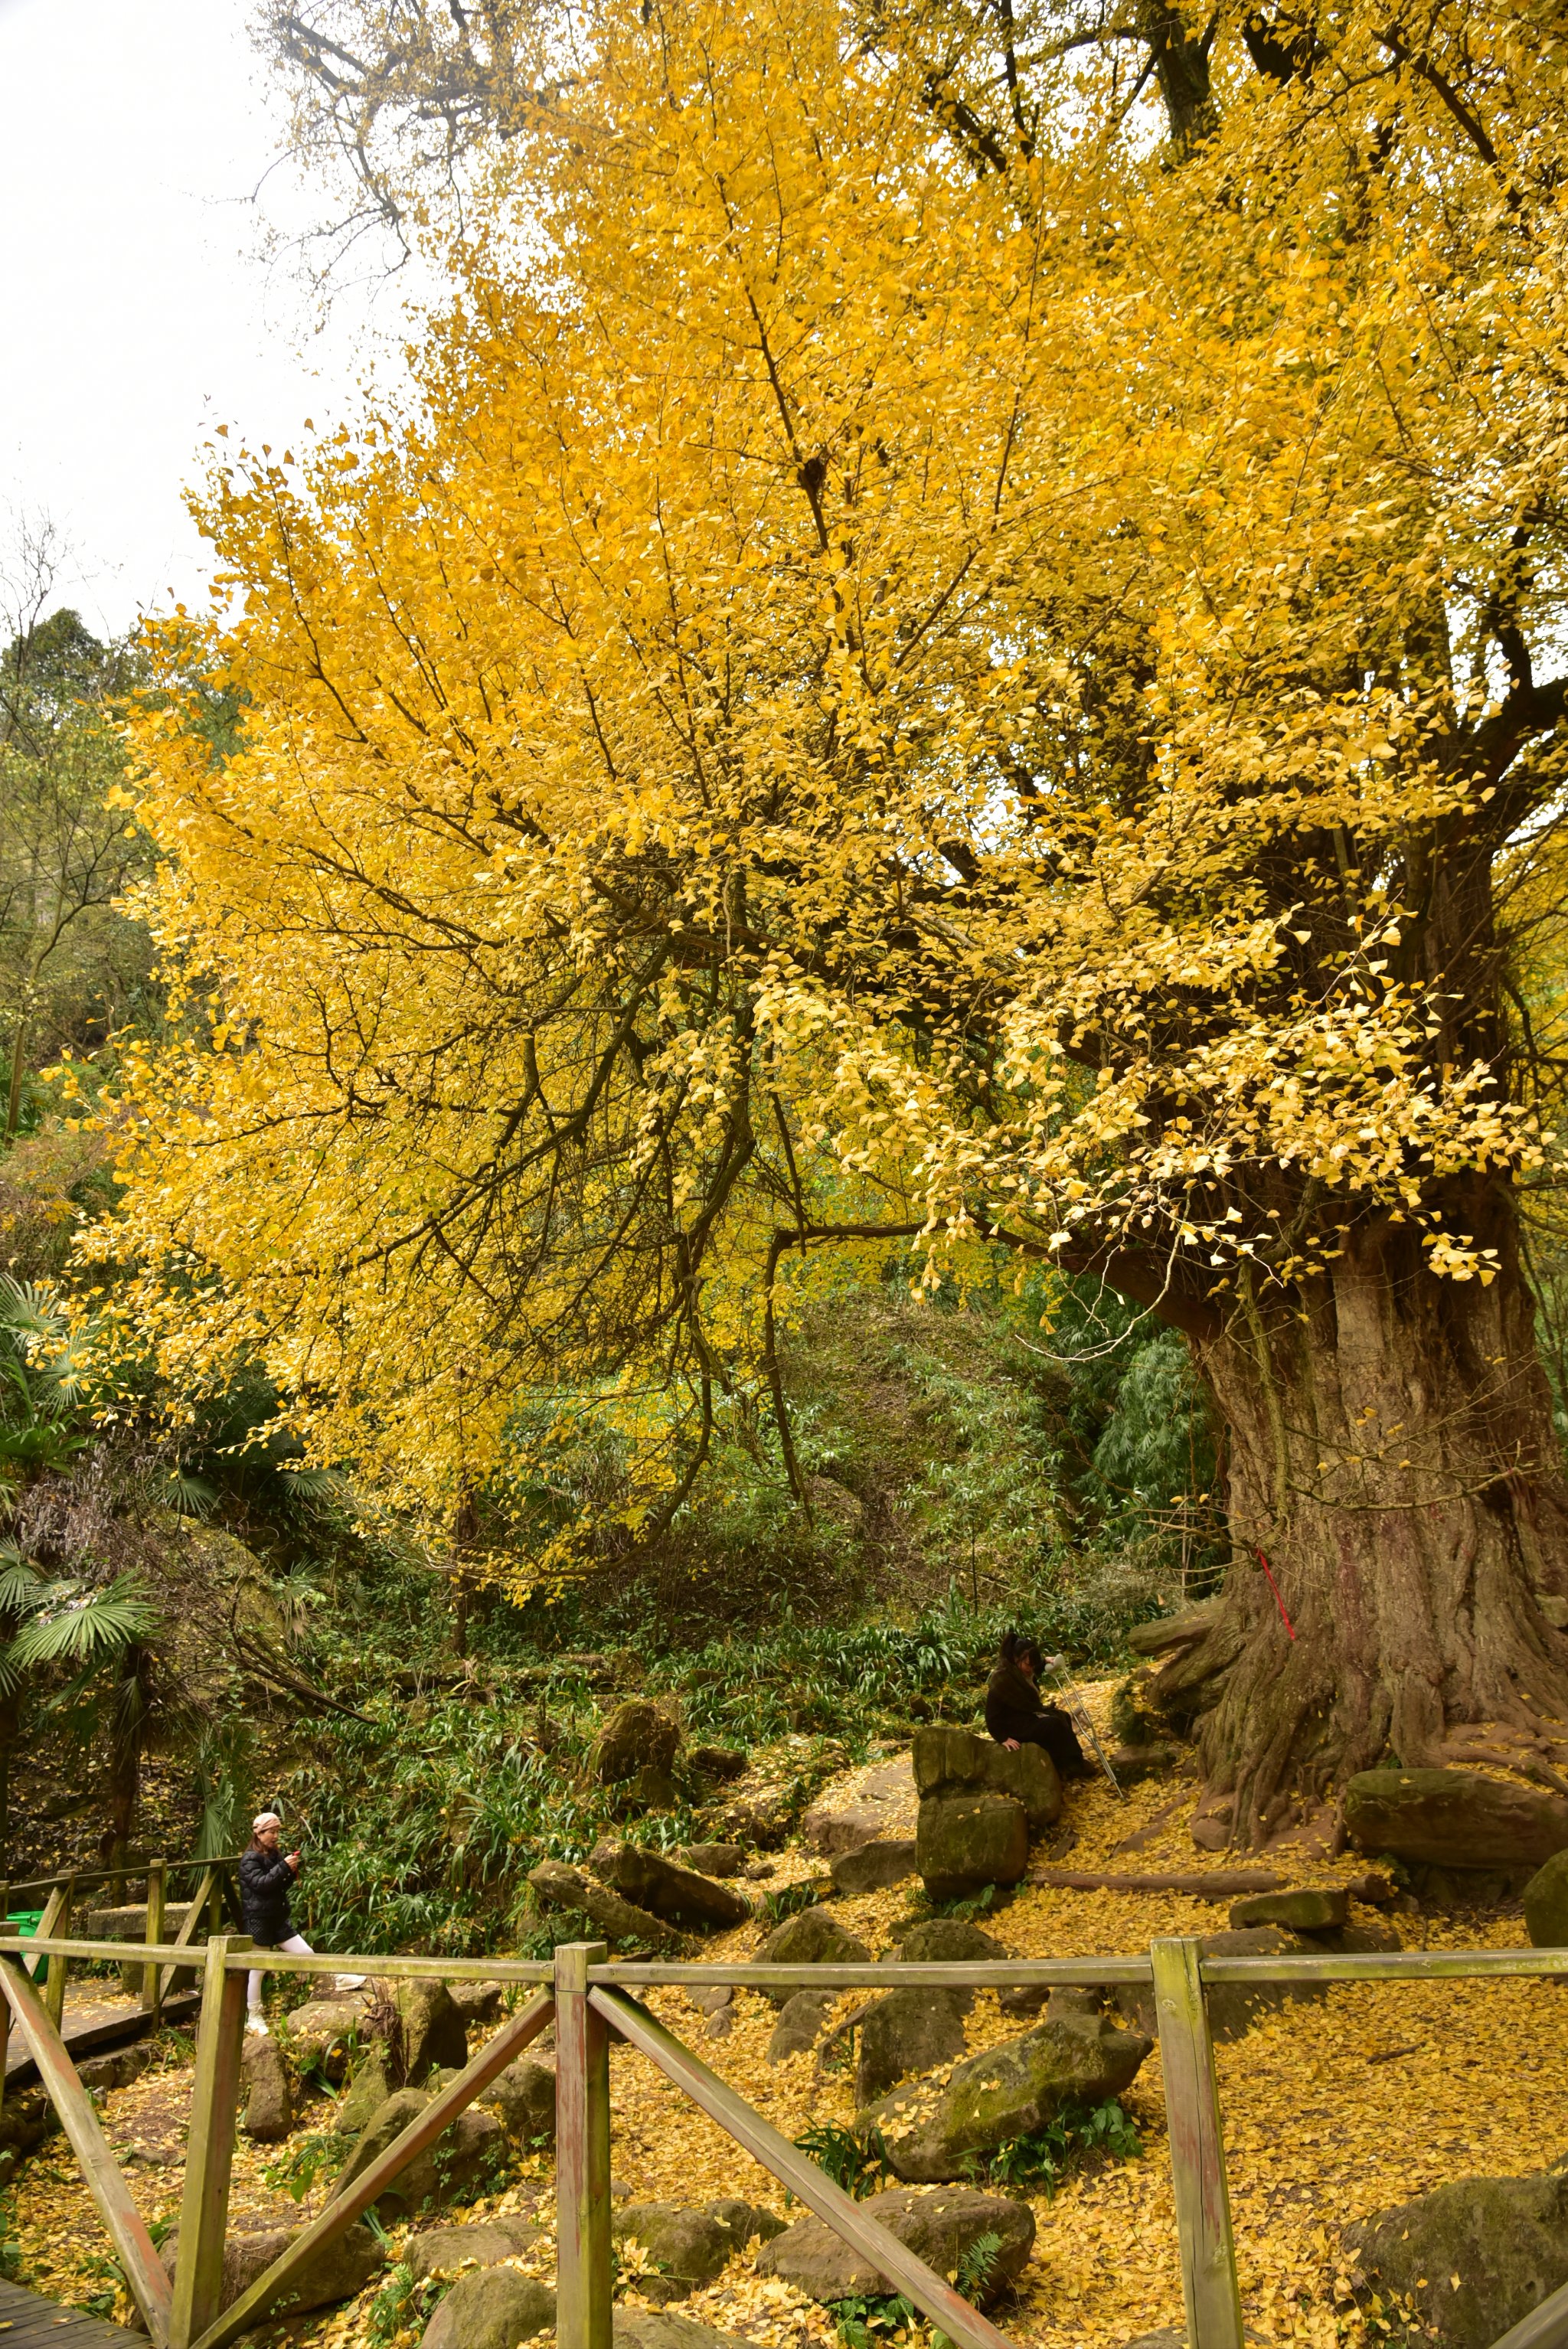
x,y
29,2321
92,2026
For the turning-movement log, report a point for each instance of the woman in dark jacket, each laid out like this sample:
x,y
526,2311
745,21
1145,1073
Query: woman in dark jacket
x,y
267,1880
1016,1716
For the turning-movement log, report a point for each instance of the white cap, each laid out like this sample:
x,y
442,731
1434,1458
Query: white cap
x,y
264,1819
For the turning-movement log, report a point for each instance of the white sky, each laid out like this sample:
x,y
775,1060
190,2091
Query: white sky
x,y
139,308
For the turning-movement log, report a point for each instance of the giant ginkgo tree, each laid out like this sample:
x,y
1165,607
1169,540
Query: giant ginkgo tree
x,y
959,648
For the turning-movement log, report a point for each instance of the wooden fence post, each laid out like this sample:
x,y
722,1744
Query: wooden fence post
x,y
55,1988
210,2150
1209,2283
157,1899
582,2154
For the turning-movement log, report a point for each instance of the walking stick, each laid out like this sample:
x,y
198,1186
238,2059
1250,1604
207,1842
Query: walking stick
x,y
1079,1711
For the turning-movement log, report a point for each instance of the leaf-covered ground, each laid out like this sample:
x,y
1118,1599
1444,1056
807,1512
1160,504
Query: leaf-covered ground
x,y
1332,2110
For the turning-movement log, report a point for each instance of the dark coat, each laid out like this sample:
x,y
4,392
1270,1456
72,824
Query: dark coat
x,y
266,1880
1013,1709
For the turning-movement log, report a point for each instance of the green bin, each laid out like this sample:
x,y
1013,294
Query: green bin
x,y
26,1921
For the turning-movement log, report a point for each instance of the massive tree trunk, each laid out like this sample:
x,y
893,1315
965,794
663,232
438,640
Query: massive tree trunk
x,y
1392,1457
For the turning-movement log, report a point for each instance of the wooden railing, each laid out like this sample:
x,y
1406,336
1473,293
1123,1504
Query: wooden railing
x,y
589,2002
214,1893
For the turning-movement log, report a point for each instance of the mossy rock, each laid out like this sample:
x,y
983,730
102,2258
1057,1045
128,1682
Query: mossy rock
x,y
932,2129
1505,2240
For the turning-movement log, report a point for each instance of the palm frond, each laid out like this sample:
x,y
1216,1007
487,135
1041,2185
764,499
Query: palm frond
x,y
187,1496
30,1309
87,1627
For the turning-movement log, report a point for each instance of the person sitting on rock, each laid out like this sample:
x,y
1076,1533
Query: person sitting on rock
x,y
266,1880
1014,1714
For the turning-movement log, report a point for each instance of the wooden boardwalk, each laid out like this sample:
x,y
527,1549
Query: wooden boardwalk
x,y
94,2025
27,2322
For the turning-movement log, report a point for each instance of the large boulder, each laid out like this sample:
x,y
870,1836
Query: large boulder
x,y
874,1866
522,2097
713,1859
651,2328
1473,2257
947,1941
682,1896
464,2162
422,2027
269,2084
874,1807
1455,1818
968,1838
321,2035
1308,1910
930,2128
372,2083
801,2023
811,1937
1546,1904
938,2228
559,1887
946,1757
636,1737
910,2030
482,2243
338,2271
687,2248
492,2308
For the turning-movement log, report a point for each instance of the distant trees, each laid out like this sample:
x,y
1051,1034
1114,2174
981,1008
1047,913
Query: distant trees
x,y
70,963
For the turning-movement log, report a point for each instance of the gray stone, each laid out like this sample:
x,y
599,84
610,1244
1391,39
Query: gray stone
x,y
493,2308
269,2106
713,1858
812,1937
641,2328
477,2001
939,2227
1546,1904
1457,1818
366,2093
1305,1911
321,2035
801,2023
637,1736
685,2247
522,2097
1506,2240
338,2271
946,1757
680,1895
873,1867
465,2160
880,1807
910,2030
968,1838
483,2242
930,2128
430,2030
947,1941
1163,2339
709,1998
559,1887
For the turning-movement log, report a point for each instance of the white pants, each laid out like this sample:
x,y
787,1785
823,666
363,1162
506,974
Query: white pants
x,y
296,1946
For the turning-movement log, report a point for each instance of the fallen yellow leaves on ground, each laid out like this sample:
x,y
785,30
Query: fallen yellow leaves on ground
x,y
1333,2108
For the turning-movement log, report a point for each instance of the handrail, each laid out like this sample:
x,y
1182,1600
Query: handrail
x,y
118,1875
588,1995
1006,1973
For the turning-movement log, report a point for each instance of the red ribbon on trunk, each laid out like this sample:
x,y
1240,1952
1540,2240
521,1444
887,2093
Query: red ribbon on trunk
x,y
1274,1586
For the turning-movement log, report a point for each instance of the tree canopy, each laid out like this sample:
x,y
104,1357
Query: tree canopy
x,y
956,653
